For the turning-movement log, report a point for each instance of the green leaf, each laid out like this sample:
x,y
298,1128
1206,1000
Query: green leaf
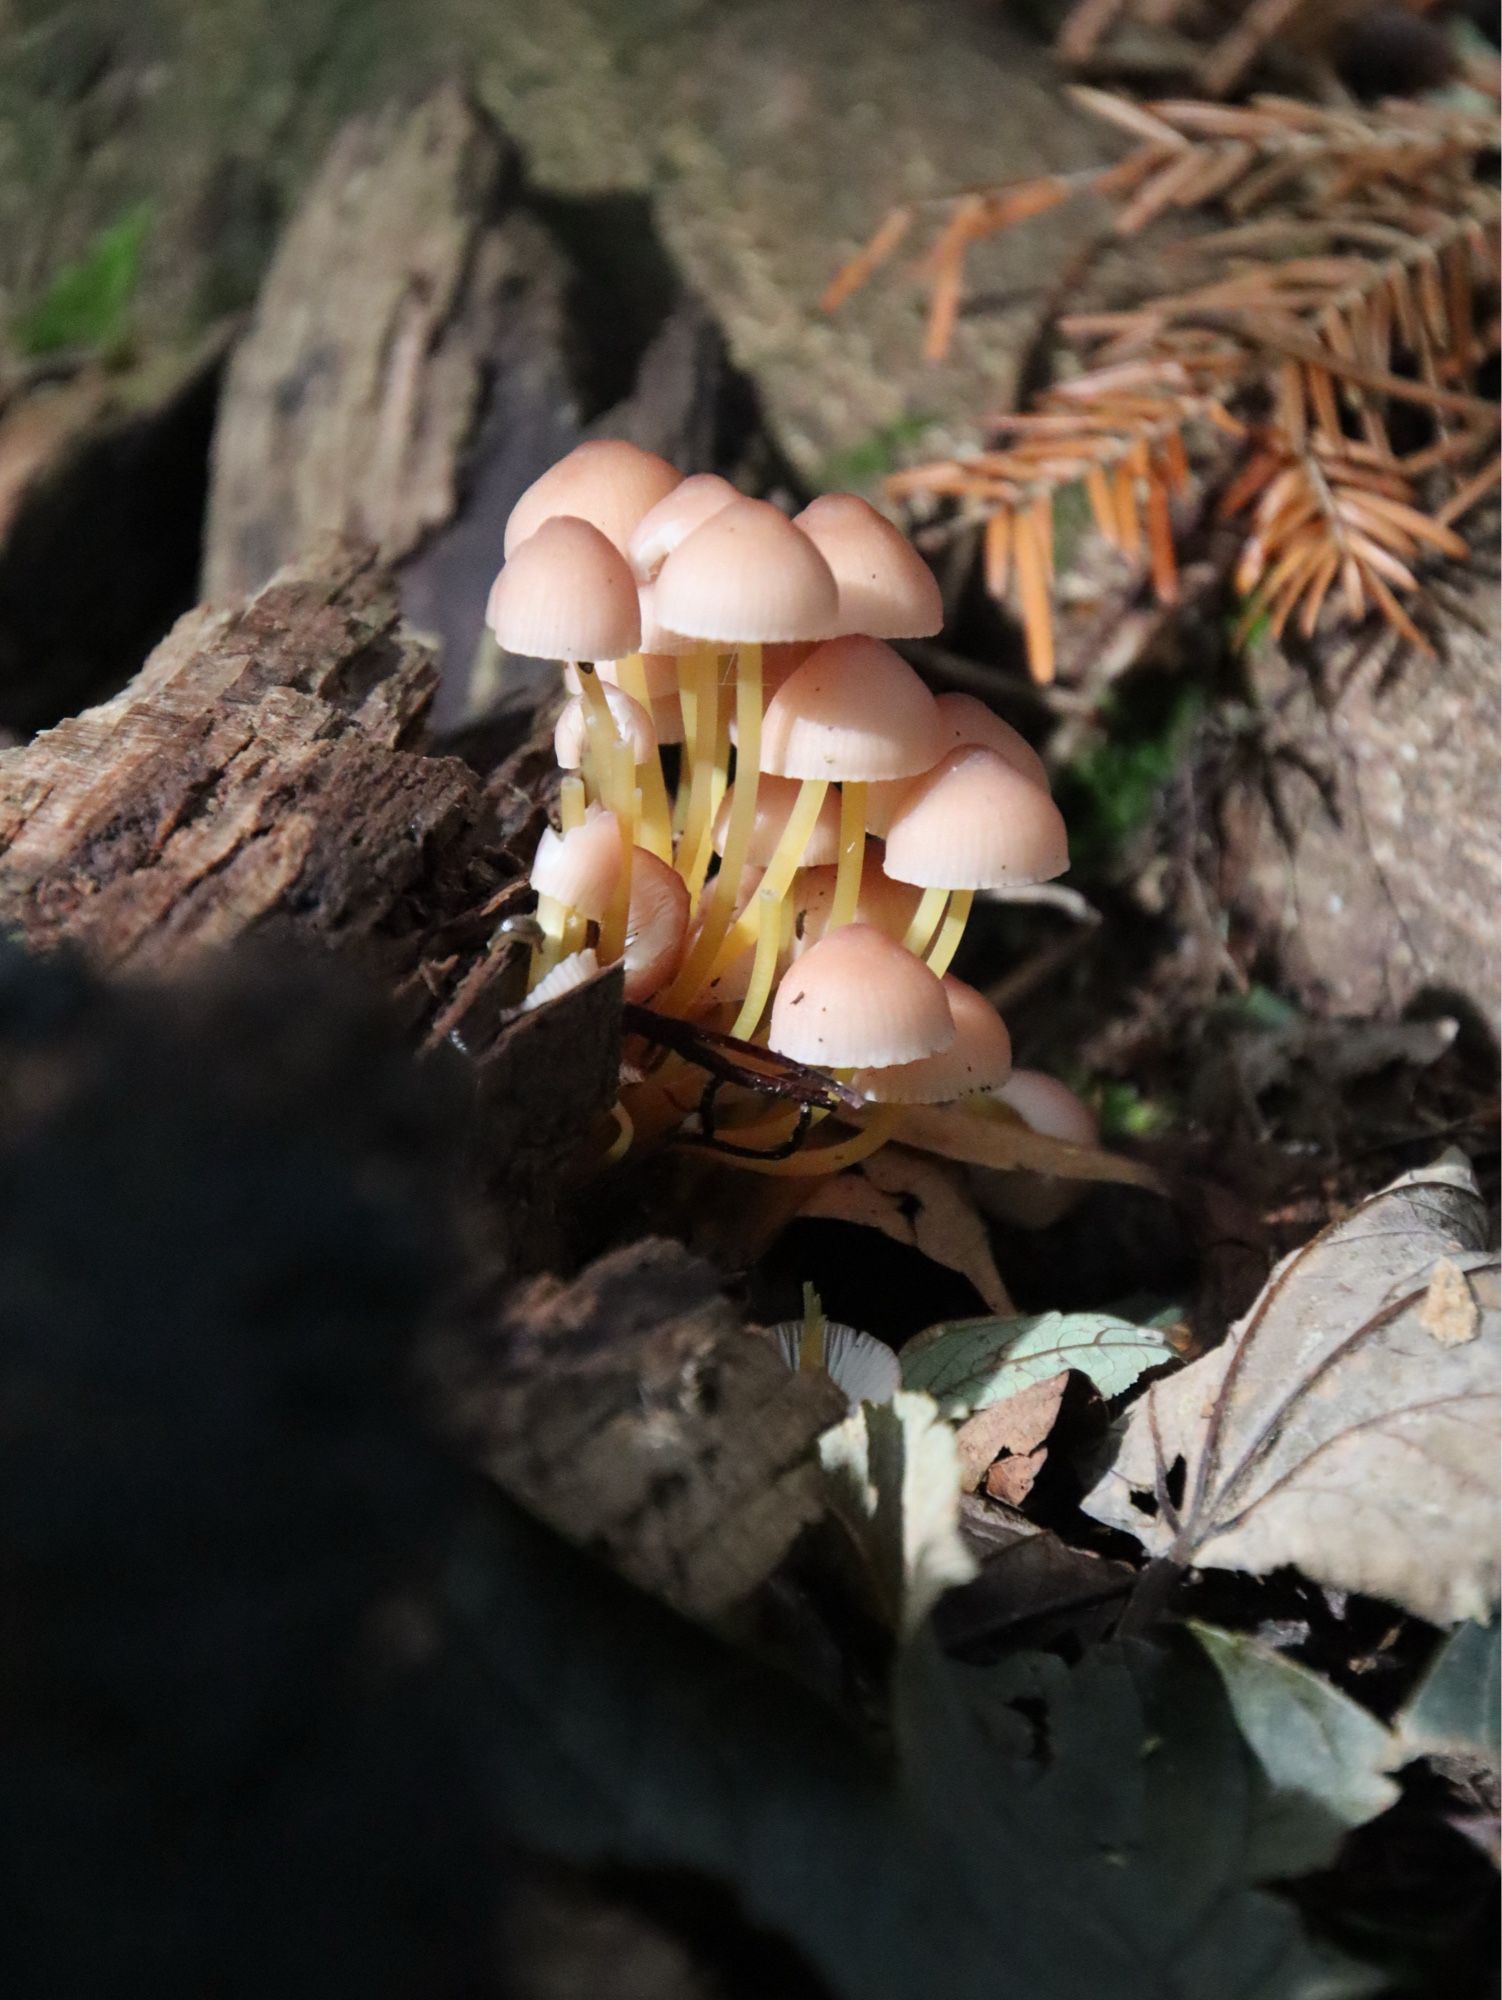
x,y
966,1364
892,1474
88,303
1077,1835
1108,1815
1455,1708
1324,1756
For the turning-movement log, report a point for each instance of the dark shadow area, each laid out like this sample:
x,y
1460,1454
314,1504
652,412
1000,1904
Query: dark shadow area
x,y
103,555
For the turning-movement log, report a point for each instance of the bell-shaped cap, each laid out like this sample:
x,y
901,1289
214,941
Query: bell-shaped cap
x,y
566,594
963,719
979,1058
689,505
605,481
656,924
580,868
890,906
856,998
747,577
853,710
1050,1107
886,588
974,822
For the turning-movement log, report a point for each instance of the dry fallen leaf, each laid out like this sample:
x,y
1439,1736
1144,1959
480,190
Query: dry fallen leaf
x,y
1018,1426
1333,1430
891,1474
917,1202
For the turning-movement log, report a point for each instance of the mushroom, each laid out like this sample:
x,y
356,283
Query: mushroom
x,y
972,822
889,905
567,594
886,588
688,506
568,974
577,870
745,578
605,481
979,1058
962,720
856,1000
860,1364
635,727
1032,1200
853,711
656,925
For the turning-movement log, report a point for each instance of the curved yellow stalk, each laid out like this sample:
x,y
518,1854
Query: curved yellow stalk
x,y
947,943
715,919
847,881
699,691
655,821
931,906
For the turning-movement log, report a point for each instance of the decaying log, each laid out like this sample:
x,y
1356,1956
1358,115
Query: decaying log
x,y
261,778
632,1412
1371,856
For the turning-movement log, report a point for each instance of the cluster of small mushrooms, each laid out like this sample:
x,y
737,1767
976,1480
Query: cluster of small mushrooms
x,y
766,816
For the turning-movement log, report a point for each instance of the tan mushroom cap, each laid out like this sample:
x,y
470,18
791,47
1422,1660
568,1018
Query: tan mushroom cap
x,y
888,905
605,481
1050,1107
566,594
674,518
656,639
854,710
775,799
886,588
747,577
656,924
580,868
979,1058
974,822
857,998
962,720
631,720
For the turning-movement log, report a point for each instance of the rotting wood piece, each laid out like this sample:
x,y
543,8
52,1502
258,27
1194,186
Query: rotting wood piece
x,y
632,1412
255,773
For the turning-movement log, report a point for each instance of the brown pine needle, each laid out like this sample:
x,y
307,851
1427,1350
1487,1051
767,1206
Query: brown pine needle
x,y
866,262
1032,594
998,552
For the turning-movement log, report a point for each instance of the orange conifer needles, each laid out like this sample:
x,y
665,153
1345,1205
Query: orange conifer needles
x,y
809,885
1343,288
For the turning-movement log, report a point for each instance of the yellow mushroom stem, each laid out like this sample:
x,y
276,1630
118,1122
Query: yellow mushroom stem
x,y
720,907
847,881
931,907
770,911
625,1132
624,798
655,823
699,693
947,943
811,1345
601,737
875,1131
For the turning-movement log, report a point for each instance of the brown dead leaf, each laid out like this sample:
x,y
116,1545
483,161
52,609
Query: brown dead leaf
x,y
991,1136
1013,1432
919,1203
1335,1430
